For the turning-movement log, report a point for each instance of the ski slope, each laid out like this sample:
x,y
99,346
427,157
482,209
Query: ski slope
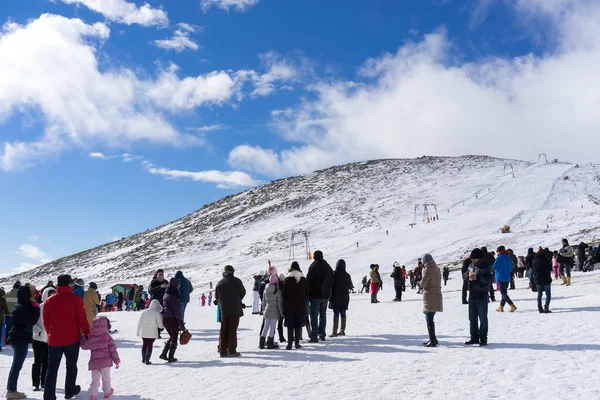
x,y
530,355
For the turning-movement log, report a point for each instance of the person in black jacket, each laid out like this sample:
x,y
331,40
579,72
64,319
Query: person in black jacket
x,y
490,259
320,281
340,297
255,295
24,315
542,275
294,291
446,275
581,254
465,287
229,293
480,275
397,275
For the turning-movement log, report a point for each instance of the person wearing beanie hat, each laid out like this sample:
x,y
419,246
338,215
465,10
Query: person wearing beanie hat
x,y
273,312
171,320
229,293
480,275
90,302
432,296
320,282
503,267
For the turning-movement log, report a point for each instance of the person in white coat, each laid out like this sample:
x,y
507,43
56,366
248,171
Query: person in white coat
x,y
150,322
40,346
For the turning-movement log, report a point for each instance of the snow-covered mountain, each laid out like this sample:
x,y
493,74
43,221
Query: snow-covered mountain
x,y
346,211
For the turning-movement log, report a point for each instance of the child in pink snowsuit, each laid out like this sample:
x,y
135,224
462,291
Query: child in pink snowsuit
x,y
555,264
203,300
103,353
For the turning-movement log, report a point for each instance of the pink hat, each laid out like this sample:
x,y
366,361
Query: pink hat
x,y
273,279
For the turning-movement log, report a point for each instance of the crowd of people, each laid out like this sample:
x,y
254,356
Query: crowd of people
x,y
60,320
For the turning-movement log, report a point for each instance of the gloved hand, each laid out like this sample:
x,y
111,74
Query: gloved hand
x,y
116,366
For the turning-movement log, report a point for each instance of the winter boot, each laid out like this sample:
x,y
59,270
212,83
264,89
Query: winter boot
x,y
143,356
163,355
500,309
290,338
432,339
472,341
297,338
271,344
568,281
336,322
280,331
15,395
513,308
564,280
172,353
342,331
148,355
372,298
547,310
261,344
540,309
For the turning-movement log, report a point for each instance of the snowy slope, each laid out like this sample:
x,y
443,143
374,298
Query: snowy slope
x,y
340,206
530,356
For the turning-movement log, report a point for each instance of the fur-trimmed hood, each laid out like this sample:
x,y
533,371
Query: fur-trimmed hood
x,y
295,274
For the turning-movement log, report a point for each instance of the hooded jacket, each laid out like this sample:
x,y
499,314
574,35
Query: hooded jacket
x,y
39,332
65,318
542,269
503,267
294,290
185,287
432,288
156,291
102,346
171,301
340,291
273,302
320,279
150,321
24,317
229,293
90,301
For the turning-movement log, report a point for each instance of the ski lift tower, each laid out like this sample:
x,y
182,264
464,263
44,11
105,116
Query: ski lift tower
x,y
426,216
301,233
511,169
545,157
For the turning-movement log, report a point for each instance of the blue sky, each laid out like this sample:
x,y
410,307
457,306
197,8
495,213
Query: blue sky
x,y
119,115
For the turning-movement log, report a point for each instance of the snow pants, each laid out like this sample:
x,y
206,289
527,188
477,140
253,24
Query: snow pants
x,y
255,302
269,328
103,373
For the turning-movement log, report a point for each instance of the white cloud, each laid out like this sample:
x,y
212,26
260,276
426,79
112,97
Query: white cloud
x,y
239,5
279,70
98,155
24,267
32,252
180,40
224,180
208,128
33,238
125,157
51,65
125,13
421,100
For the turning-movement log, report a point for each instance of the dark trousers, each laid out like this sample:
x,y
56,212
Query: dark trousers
x,y
280,328
403,280
504,293
19,356
465,290
398,290
228,335
318,318
478,316
8,323
40,362
55,354
172,326
492,292
541,289
147,344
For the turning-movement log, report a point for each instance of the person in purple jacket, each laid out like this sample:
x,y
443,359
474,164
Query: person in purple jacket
x,y
171,319
103,354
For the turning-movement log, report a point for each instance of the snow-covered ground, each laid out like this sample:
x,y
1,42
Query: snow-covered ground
x,y
530,355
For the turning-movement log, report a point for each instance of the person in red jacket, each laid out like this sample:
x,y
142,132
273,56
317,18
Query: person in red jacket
x,y
65,320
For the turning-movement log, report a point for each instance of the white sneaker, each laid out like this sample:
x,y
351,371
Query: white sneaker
x,y
15,395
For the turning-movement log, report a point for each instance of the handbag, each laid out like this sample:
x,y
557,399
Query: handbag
x,y
185,337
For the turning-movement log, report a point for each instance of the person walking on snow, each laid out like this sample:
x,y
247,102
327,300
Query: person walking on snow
x,y
185,288
374,283
320,281
210,299
40,345
446,275
90,302
171,320
103,352
397,276
149,323
432,296
513,274
340,297
365,285
503,267
203,300
272,313
481,276
566,262
255,295
294,291
229,293
542,275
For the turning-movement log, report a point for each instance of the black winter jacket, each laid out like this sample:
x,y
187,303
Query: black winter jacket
x,y
480,288
542,269
320,280
156,291
24,316
465,267
397,275
342,283
229,293
257,280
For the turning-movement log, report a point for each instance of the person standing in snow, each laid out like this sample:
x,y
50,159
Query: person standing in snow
x,y
403,278
78,287
280,322
365,285
272,313
210,299
542,275
158,286
320,281
446,275
294,291
110,301
481,276
171,320
464,271
566,262
581,254
555,264
203,300
40,345
397,275
255,295
503,267
432,296
515,262
340,297
11,300
149,323
229,293
120,300
90,301
490,259
4,315
103,354
185,288
374,283
529,261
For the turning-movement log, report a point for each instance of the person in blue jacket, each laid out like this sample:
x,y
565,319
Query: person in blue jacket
x,y
185,288
78,287
503,267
